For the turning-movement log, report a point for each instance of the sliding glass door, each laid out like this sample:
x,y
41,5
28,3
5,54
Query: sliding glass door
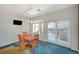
x,y
52,31
58,32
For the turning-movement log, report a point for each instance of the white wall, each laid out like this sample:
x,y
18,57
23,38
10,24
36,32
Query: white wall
x,y
71,14
8,31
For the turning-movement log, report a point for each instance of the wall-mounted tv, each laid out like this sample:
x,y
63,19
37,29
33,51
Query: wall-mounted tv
x,y
17,22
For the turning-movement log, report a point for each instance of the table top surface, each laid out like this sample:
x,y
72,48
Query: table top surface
x,y
29,37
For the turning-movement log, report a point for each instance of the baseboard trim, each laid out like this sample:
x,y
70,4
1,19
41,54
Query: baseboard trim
x,y
2,47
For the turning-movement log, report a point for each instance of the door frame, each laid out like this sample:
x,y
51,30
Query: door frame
x,y
40,28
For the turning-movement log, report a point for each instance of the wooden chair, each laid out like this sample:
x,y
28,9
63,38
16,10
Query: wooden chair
x,y
34,42
21,43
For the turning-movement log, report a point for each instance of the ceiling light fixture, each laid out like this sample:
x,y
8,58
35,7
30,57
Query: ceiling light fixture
x,y
38,9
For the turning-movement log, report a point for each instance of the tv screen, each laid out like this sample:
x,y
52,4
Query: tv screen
x,y
17,22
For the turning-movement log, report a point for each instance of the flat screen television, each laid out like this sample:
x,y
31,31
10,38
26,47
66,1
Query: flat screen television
x,y
17,22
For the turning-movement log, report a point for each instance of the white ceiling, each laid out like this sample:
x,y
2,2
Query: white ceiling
x,y
14,9
30,10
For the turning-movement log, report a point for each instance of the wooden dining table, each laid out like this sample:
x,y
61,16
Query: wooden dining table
x,y
27,38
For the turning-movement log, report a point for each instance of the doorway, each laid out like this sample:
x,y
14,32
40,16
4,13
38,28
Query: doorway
x,y
37,28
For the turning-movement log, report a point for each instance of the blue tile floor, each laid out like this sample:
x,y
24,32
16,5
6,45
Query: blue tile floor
x,y
50,48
